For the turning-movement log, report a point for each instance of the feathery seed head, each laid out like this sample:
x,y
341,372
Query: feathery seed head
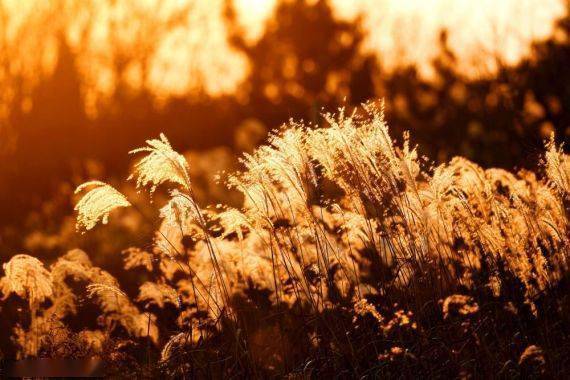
x,y
234,221
180,210
96,205
28,278
102,289
161,164
557,165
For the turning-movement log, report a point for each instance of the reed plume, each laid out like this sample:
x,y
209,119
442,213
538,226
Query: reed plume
x,y
345,238
96,205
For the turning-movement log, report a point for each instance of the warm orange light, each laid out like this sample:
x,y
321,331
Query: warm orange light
x,y
406,31
179,47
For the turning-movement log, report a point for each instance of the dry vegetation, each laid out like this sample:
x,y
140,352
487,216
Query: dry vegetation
x,y
351,256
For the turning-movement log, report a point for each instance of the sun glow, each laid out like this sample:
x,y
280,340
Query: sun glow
x,y
480,32
179,48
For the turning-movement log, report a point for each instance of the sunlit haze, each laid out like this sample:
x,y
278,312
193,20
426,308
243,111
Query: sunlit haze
x,y
181,46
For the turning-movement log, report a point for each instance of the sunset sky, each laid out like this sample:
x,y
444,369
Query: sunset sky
x,y
407,30
180,46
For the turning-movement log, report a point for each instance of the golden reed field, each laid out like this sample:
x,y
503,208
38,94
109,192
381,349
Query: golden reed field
x,y
249,189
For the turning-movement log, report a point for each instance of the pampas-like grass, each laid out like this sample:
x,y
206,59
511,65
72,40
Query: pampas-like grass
x,y
344,240
161,164
388,202
26,276
557,165
96,205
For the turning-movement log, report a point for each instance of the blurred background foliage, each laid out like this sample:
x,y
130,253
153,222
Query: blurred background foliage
x,y
85,82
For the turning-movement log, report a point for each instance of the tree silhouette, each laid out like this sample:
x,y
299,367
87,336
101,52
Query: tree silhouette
x,y
496,121
304,61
